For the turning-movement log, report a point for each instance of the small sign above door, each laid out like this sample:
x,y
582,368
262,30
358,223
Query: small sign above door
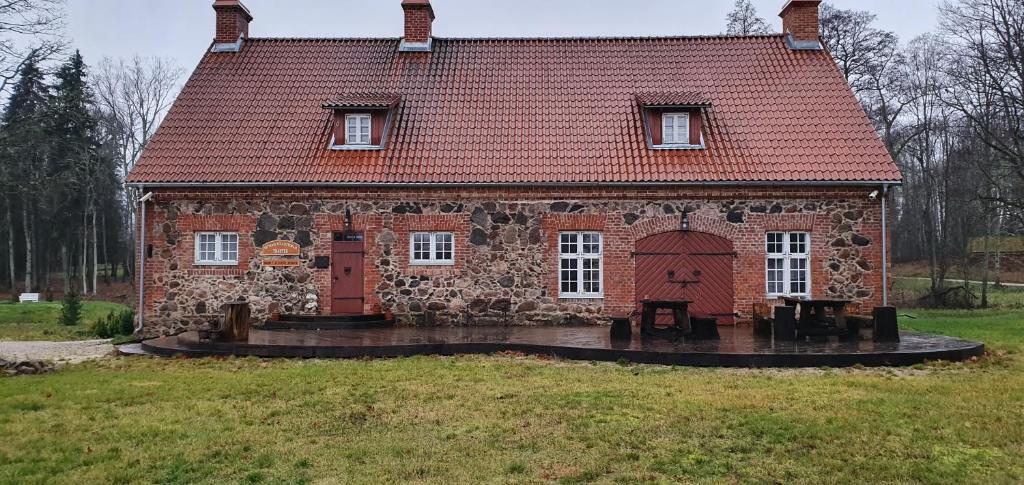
x,y
280,248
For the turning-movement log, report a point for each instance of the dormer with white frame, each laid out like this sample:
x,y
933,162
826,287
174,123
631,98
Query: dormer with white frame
x,y
674,121
361,121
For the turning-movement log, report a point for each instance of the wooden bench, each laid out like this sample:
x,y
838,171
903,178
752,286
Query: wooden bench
x,y
703,327
29,298
762,316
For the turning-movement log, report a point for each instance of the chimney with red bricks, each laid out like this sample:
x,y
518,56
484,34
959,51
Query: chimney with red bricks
x,y
800,24
419,17
232,24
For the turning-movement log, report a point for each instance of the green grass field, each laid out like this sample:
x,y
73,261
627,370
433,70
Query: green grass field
x,y
38,321
522,419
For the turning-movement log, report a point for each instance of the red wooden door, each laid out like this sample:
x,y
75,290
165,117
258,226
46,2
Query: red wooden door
x,y
687,266
347,274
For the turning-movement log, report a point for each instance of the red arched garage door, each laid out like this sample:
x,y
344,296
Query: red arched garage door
x,y
687,266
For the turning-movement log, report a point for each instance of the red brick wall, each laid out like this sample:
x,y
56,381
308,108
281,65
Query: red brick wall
x,y
418,20
524,236
800,19
232,22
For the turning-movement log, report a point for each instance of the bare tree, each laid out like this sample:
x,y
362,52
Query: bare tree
x,y
133,97
743,20
985,39
856,45
28,29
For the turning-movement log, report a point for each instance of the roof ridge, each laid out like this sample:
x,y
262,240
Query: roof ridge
x,y
527,39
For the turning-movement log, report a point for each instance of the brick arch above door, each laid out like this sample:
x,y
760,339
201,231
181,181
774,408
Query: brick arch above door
x,y
698,223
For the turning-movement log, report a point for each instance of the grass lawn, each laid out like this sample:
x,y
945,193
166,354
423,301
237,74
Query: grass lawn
x,y
38,321
521,419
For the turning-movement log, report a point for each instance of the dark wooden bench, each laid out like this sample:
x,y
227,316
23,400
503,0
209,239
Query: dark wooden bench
x,y
703,327
622,328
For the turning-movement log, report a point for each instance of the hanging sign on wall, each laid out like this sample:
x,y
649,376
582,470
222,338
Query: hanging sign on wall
x,y
279,248
280,263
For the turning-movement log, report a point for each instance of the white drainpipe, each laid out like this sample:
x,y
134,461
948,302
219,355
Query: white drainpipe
x,y
885,245
142,260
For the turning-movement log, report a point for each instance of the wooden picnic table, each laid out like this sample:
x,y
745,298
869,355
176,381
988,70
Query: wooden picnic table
x,y
680,315
813,315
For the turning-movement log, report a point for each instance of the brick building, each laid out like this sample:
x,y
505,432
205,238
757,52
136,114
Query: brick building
x,y
509,181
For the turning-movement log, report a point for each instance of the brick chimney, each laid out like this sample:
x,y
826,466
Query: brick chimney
x,y
800,24
419,17
232,22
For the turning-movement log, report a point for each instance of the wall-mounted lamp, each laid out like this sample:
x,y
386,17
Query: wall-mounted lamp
x,y
348,220
684,223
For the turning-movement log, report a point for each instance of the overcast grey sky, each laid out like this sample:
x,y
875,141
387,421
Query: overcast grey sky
x,y
183,29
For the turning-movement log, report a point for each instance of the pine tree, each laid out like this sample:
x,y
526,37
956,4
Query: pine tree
x,y
743,20
71,309
75,167
23,154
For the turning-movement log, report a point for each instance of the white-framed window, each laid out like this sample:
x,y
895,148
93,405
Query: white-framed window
x,y
788,263
357,129
432,248
217,248
675,128
580,265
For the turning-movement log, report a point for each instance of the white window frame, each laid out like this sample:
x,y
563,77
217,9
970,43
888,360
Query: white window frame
x,y
792,254
357,138
437,242
576,254
219,251
671,137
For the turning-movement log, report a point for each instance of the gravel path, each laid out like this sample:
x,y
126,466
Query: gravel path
x,y
61,352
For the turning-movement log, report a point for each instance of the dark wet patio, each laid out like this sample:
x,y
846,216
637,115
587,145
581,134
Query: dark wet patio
x,y
738,346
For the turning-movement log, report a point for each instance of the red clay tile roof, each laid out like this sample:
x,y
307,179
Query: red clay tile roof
x,y
672,99
363,100
516,111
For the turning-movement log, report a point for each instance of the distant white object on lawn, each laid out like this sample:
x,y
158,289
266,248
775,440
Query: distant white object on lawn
x,y
29,297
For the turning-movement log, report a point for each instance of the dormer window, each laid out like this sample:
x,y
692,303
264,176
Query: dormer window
x,y
674,121
357,129
675,128
361,121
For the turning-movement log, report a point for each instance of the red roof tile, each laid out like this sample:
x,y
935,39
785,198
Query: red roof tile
x,y
363,100
516,111
672,99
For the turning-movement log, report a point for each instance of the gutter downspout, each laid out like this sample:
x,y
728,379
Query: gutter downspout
x,y
885,245
142,261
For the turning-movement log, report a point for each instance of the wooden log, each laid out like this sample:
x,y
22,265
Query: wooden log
x,y
236,322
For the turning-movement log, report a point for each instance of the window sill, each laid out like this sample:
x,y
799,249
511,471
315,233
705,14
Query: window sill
x,y
344,148
677,147
431,264
224,264
580,297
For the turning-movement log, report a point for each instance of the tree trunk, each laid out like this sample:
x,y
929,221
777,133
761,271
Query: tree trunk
x,y
106,255
65,266
84,262
95,252
984,268
28,245
10,247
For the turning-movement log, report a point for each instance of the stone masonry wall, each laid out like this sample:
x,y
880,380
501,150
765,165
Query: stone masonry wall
x,y
505,251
